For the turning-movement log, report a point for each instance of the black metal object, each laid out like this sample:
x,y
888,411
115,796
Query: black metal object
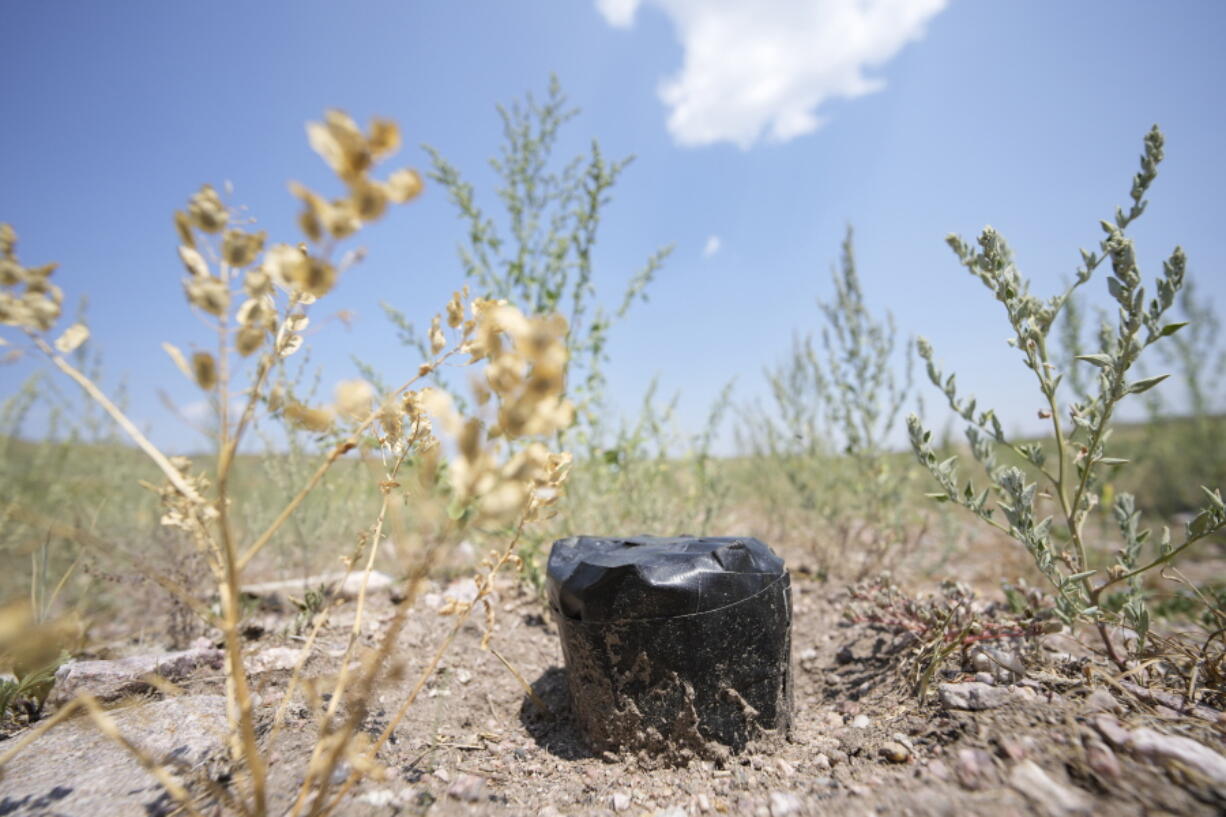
x,y
674,647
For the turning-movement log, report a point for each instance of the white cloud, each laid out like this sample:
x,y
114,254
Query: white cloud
x,y
712,246
763,68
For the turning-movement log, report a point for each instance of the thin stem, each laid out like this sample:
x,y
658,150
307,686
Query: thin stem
x,y
159,459
339,450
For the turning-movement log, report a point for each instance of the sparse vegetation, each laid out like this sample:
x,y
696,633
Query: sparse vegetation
x,y
427,484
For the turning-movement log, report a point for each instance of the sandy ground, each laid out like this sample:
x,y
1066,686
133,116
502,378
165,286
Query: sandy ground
x,y
476,743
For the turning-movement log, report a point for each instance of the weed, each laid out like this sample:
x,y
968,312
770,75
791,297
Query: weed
x,y
257,299
1060,549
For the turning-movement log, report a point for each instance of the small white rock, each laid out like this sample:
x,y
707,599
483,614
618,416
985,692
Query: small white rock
x,y
1185,751
784,804
860,722
971,695
620,801
1052,797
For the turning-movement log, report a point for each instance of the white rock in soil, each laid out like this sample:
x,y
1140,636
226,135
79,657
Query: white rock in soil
x,y
1101,760
1050,796
1100,700
860,722
972,695
620,801
1187,752
974,767
108,680
272,659
75,771
467,788
784,804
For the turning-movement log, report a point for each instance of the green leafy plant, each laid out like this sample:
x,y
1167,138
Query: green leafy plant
x,y
539,252
1081,428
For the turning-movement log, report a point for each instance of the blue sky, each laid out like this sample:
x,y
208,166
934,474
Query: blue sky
x,y
771,131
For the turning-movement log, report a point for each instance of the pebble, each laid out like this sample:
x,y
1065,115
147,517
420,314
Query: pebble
x,y
1100,700
703,802
860,722
467,788
1110,729
822,762
620,801
784,804
786,769
894,752
1013,748
1186,752
1101,760
463,676
973,768
939,770
971,695
985,678
1050,796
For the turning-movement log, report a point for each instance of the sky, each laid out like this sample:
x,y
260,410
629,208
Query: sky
x,y
760,130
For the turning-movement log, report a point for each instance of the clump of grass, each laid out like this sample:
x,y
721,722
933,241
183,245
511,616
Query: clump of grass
x,y
487,470
1066,480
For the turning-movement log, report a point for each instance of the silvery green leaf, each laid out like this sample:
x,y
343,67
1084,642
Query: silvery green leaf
x,y
1201,525
1145,384
1076,577
1171,328
1111,461
939,497
1098,360
1215,498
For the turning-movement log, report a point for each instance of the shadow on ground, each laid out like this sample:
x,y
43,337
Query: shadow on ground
x,y
554,731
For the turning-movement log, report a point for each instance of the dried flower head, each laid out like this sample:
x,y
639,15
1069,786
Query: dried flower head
x,y
204,369
206,212
208,293
240,249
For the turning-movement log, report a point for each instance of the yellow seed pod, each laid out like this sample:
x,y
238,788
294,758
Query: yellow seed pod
x,y
315,277
384,137
184,228
368,199
257,283
404,185
437,339
204,369
193,261
248,340
208,294
455,311
311,419
341,218
205,210
240,249
11,273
